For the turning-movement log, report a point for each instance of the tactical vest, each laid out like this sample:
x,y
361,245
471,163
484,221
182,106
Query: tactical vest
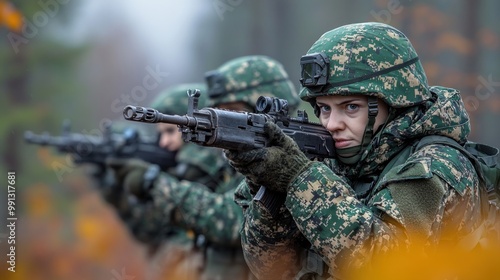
x,y
485,161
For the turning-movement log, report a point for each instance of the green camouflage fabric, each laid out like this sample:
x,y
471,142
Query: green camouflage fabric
x,y
208,210
432,196
359,50
204,165
248,77
210,213
174,100
192,206
201,168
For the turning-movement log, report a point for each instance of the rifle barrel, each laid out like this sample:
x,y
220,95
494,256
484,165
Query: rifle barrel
x,y
33,138
150,115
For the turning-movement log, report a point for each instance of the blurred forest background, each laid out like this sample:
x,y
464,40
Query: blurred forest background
x,y
85,60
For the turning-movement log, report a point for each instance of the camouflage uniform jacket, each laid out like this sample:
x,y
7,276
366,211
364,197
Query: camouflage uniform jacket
x,y
204,204
432,196
199,199
194,193
203,165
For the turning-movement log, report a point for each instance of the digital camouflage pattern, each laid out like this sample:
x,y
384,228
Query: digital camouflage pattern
x,y
187,204
191,195
202,208
432,195
205,214
174,100
196,201
248,77
208,167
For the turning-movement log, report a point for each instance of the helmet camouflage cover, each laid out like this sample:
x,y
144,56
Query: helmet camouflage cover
x,y
246,78
174,100
371,58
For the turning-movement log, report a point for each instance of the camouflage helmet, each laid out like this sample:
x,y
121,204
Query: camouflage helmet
x,y
174,100
248,77
371,58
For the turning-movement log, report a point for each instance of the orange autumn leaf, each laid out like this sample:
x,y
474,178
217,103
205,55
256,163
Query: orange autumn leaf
x,y
10,17
93,239
444,262
96,230
63,265
38,200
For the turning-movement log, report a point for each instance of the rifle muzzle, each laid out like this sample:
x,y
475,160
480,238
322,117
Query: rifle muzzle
x,y
150,115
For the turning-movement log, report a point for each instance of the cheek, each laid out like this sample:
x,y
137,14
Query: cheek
x,y
162,141
357,126
177,137
359,131
323,121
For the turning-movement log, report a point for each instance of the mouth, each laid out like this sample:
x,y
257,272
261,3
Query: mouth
x,y
342,143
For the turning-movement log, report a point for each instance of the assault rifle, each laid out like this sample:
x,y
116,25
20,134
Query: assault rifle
x,y
243,131
240,130
93,149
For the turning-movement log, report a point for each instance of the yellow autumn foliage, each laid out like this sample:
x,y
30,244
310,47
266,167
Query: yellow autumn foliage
x,y
10,17
445,262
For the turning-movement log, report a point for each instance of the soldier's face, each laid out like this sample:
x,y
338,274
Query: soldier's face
x,y
170,136
346,117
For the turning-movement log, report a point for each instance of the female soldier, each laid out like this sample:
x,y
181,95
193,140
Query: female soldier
x,y
385,188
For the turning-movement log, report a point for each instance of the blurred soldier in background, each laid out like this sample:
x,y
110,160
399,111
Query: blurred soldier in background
x,y
236,85
170,248
180,199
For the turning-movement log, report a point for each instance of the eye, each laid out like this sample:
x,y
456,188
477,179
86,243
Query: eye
x,y
352,107
323,108
170,130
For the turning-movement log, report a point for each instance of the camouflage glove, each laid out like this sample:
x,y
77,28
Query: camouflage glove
x,y
275,166
135,176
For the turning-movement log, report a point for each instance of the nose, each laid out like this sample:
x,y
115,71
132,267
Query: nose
x,y
335,122
165,140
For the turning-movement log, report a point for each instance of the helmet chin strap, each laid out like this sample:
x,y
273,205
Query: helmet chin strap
x,y
352,155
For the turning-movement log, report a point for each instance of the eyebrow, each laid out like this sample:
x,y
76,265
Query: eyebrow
x,y
350,100
355,99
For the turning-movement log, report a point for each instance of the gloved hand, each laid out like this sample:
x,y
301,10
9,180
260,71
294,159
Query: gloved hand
x,y
275,166
134,175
